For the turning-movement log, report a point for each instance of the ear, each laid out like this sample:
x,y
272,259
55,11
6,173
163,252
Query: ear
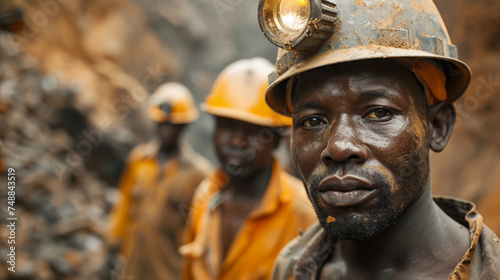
x,y
441,121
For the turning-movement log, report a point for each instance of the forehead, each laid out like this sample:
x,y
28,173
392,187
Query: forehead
x,y
234,124
170,125
368,78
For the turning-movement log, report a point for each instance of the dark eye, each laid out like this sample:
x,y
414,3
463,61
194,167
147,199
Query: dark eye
x,y
312,122
379,113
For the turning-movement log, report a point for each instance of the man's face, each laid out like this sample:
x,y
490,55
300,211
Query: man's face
x,y
169,134
243,148
360,143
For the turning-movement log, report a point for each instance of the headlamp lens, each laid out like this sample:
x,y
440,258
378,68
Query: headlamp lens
x,y
297,25
166,108
293,15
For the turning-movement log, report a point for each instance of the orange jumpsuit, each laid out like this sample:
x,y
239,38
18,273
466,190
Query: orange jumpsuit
x,y
283,212
149,220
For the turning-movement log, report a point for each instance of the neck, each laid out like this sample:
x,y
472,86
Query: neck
x,y
250,187
165,153
422,232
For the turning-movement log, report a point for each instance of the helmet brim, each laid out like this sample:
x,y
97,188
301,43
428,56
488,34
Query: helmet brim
x,y
458,74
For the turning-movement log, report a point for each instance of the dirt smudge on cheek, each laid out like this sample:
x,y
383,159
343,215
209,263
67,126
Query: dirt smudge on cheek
x,y
389,176
330,219
417,127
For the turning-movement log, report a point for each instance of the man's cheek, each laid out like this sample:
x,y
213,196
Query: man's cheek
x,y
411,176
305,156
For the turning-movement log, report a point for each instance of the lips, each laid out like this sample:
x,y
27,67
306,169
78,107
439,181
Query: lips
x,y
345,191
235,159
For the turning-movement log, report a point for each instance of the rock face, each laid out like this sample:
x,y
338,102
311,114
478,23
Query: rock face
x,y
103,48
73,85
61,204
469,167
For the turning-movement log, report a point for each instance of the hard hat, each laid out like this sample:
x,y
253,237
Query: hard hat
x,y
11,16
239,91
174,103
316,33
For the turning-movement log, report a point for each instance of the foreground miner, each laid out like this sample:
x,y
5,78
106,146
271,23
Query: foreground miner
x,y
369,101
156,189
246,211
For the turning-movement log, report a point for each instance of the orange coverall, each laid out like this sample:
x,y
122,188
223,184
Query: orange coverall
x,y
149,220
283,212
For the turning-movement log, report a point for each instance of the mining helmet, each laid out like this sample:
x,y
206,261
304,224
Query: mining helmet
x,y
316,33
238,93
11,16
172,102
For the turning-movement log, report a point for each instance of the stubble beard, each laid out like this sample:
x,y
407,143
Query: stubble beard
x,y
351,225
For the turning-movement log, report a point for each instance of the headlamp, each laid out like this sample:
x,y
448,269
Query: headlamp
x,y
297,25
166,108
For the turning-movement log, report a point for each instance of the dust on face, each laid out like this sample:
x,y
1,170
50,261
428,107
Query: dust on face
x,y
360,143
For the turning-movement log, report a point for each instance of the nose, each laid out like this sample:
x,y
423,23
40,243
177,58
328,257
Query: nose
x,y
239,137
344,144
165,130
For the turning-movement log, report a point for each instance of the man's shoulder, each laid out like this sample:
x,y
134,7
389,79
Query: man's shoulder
x,y
483,258
297,197
144,151
294,251
486,260
294,186
207,189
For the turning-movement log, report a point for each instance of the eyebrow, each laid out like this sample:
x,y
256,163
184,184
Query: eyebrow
x,y
374,93
370,93
309,105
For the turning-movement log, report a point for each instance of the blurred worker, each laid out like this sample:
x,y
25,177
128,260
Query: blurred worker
x,y
370,87
11,16
248,209
156,189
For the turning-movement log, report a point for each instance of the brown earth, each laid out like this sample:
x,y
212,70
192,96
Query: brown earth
x,y
469,167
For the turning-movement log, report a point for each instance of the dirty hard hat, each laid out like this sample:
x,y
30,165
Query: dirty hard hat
x,y
11,16
316,33
238,93
174,103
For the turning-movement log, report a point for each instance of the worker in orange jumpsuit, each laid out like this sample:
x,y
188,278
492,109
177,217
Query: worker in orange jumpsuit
x,y
156,189
248,209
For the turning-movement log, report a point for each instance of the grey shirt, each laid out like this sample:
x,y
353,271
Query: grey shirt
x,y
304,257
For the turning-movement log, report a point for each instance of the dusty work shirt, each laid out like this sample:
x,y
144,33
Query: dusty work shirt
x,y
283,211
150,218
304,257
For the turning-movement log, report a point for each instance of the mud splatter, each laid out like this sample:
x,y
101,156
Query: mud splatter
x,y
360,3
417,7
330,219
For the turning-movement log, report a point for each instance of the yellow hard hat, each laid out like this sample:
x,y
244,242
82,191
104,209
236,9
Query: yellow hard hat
x,y
174,103
239,93
317,33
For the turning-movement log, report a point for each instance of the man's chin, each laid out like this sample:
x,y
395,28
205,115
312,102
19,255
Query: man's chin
x,y
356,226
237,171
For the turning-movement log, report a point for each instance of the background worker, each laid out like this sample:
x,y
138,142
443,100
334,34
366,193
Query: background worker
x,y
157,187
249,208
369,101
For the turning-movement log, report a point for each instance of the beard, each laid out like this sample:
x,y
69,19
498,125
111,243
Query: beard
x,y
352,225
